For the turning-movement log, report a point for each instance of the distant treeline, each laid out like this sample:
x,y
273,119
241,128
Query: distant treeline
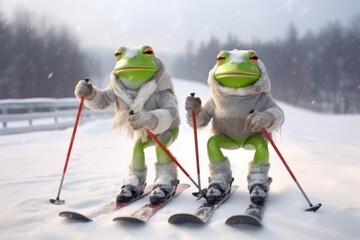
x,y
39,59
321,71
317,71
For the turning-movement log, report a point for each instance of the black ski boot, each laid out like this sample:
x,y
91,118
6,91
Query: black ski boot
x,y
133,187
220,181
163,192
259,183
215,193
165,183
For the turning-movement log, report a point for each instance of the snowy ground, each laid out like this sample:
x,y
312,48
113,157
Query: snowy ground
x,y
322,150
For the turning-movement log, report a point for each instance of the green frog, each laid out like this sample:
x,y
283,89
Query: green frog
x,y
239,106
140,84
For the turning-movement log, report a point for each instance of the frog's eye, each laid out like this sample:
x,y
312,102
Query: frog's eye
x,y
253,57
118,54
148,52
220,58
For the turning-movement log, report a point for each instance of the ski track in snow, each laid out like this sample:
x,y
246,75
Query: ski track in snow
x,y
322,150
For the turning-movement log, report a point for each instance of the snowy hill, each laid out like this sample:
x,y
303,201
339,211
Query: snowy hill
x,y
322,150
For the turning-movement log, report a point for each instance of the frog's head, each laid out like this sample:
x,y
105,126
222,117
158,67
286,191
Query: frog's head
x,y
135,66
237,68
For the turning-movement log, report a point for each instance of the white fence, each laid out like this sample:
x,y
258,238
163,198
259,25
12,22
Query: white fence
x,y
27,115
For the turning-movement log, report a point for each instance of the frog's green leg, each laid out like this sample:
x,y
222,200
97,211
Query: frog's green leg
x,y
138,158
220,141
166,138
258,141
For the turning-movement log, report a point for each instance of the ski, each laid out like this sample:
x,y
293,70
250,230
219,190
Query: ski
x,y
202,213
143,214
105,209
252,216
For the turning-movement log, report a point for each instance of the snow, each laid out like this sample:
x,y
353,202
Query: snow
x,y
321,150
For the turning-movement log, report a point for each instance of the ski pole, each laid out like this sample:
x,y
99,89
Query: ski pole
x,y
57,201
312,207
193,114
167,152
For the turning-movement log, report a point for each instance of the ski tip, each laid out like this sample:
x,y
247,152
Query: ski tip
x,y
129,220
74,216
183,218
243,220
314,208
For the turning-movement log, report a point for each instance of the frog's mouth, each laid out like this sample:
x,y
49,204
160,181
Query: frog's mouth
x,y
131,68
237,74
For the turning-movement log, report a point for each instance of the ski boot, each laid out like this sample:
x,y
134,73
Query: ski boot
x,y
259,183
133,186
165,183
220,181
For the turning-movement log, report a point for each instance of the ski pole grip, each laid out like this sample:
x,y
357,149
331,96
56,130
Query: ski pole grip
x,y
251,111
131,112
87,79
192,94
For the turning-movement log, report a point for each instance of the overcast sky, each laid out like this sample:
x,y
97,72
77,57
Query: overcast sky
x,y
167,25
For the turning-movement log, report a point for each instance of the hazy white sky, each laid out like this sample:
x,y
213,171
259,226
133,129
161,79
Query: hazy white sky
x,y
167,25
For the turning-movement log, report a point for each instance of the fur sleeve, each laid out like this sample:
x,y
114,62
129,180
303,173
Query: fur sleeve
x,y
270,106
100,99
167,111
204,116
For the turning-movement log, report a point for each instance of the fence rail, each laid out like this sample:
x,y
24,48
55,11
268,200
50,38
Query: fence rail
x,y
28,115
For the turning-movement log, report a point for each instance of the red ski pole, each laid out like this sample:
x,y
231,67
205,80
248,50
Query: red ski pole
x,y
193,114
57,201
312,207
168,153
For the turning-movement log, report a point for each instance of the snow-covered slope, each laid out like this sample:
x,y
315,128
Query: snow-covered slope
x,y
322,150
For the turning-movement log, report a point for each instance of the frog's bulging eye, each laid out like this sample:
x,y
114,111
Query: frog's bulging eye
x,y
220,58
118,54
253,57
148,52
